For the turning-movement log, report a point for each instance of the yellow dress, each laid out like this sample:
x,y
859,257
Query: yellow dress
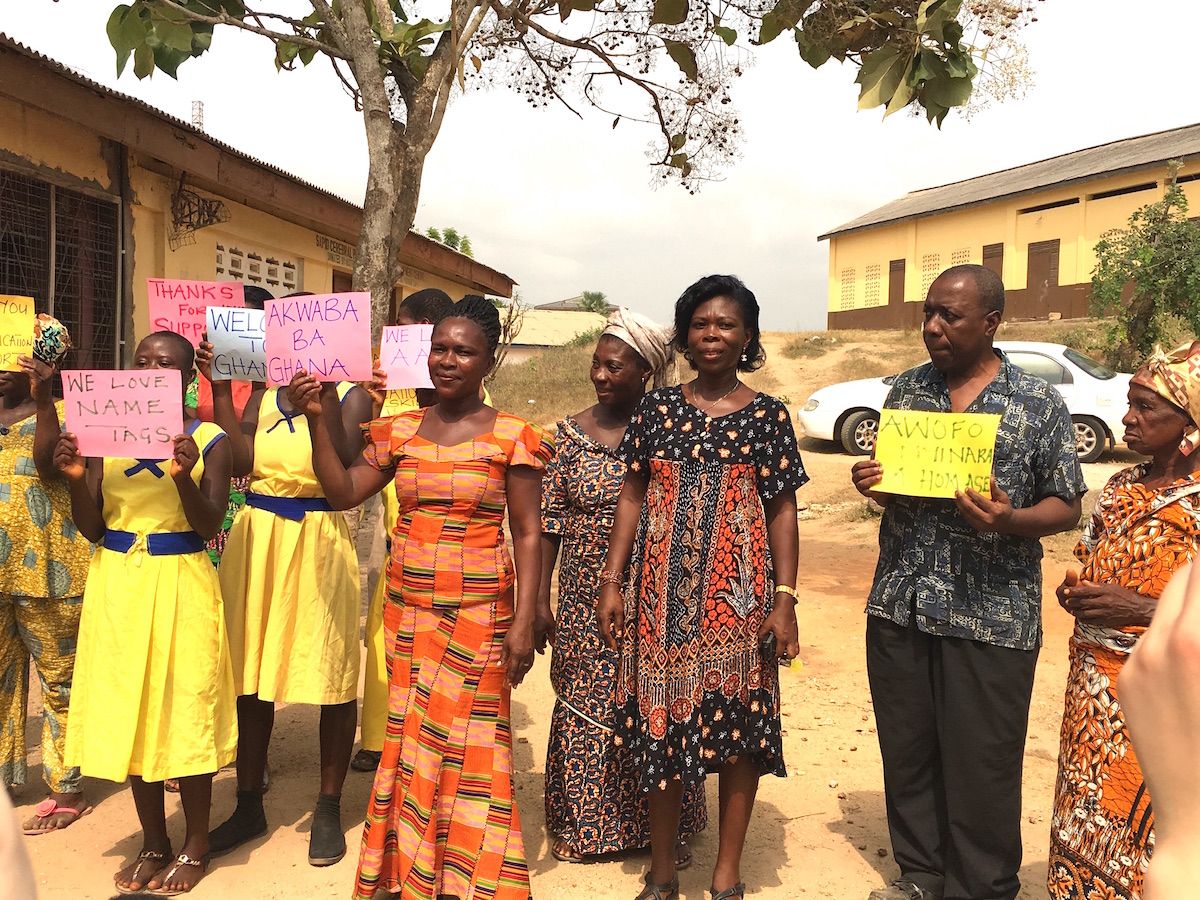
x,y
290,576
153,689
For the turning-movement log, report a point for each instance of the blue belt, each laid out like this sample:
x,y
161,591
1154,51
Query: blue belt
x,y
292,508
160,543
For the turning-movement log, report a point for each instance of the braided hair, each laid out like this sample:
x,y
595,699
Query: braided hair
x,y
428,305
483,313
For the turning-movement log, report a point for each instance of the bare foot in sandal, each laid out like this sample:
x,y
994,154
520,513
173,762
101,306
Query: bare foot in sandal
x,y
132,878
564,852
181,875
56,812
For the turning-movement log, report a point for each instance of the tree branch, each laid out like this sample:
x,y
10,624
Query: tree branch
x,y
276,36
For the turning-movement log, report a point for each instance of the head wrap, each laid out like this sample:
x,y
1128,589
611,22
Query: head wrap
x,y
650,340
1175,376
50,340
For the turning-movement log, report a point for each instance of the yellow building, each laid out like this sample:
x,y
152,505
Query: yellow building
x,y
1036,225
99,191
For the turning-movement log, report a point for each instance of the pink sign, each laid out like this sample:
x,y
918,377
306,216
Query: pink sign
x,y
124,412
326,335
179,305
404,356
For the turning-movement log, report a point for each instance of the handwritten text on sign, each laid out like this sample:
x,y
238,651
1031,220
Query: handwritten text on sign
x,y
16,330
124,413
238,337
931,454
326,335
179,305
404,355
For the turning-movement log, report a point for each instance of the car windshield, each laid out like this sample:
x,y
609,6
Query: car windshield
x,y
1089,365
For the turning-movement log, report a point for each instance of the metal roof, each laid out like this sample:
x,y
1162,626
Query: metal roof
x,y
555,327
1103,161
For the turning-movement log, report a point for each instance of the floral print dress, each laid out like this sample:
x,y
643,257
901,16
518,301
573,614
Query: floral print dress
x,y
692,689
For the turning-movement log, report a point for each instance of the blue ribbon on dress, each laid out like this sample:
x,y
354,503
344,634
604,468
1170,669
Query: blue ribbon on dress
x,y
292,508
159,543
146,465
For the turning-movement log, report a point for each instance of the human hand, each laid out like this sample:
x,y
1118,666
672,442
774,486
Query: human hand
x,y
40,375
866,473
204,356
984,513
305,393
516,654
1104,604
1160,697
67,459
184,456
543,626
782,623
610,614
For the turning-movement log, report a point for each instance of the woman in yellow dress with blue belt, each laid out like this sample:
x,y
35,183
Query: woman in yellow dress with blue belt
x,y
290,580
153,691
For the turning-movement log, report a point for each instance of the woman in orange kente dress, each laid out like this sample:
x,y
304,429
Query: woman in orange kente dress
x,y
442,821
1145,527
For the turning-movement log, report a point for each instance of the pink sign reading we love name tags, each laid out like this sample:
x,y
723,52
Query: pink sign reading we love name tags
x,y
180,306
122,412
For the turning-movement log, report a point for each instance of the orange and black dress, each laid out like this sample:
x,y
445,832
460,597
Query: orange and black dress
x,y
1102,830
443,817
692,690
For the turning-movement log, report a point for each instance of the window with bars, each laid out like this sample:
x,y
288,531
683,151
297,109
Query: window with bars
x,y
61,247
931,268
278,274
871,286
848,286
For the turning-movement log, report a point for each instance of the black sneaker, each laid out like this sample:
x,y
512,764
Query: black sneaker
x,y
900,890
326,842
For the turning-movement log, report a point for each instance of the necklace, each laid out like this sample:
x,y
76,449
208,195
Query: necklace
x,y
711,406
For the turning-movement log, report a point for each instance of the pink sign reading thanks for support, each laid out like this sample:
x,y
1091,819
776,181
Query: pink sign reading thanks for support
x,y
124,412
180,306
404,356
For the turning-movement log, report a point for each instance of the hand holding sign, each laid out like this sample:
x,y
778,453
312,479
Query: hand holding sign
x,y
180,306
124,413
16,330
933,454
326,335
404,356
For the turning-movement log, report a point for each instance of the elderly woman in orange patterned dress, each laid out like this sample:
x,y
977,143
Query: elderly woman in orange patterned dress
x,y
1145,526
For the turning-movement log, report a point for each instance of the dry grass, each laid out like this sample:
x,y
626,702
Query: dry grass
x,y
547,387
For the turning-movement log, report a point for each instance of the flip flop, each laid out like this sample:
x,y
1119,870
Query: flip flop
x,y
569,857
167,874
146,856
682,862
48,808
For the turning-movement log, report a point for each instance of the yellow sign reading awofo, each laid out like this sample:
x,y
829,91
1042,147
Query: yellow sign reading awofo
x,y
935,454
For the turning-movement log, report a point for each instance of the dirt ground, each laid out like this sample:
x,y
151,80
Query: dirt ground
x,y
820,832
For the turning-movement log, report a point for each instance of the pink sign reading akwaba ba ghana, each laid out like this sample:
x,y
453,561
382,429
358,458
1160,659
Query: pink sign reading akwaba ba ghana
x,y
326,335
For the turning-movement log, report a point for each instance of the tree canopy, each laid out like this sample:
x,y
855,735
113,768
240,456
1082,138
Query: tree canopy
x,y
668,63
1147,277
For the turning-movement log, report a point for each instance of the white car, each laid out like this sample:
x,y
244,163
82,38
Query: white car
x,y
1096,396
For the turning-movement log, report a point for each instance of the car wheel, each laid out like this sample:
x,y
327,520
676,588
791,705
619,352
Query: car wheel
x,y
1090,438
858,432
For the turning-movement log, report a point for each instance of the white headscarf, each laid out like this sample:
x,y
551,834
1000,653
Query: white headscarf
x,y
650,340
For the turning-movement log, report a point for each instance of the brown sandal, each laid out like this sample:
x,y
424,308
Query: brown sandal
x,y
654,891
167,874
143,858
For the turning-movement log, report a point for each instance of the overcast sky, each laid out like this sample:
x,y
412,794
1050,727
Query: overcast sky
x,y
564,205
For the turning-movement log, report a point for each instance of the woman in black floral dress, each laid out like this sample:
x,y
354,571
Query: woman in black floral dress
x,y
594,803
706,528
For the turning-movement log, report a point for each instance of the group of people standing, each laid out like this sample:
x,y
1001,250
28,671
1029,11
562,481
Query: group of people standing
x,y
670,512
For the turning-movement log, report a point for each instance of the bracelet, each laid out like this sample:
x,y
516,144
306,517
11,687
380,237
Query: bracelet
x,y
786,589
612,578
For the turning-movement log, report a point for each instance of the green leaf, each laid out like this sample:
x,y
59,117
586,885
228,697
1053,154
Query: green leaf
x,y
905,91
812,52
927,65
947,91
784,15
174,35
307,55
678,140
880,75
669,12
684,57
143,61
583,5
728,35
168,59
680,161
126,31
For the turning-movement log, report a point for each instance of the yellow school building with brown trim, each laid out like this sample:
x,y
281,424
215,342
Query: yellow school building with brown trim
x,y
1036,225
100,191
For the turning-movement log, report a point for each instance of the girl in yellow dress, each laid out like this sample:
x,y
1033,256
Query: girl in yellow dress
x,y
153,693
290,580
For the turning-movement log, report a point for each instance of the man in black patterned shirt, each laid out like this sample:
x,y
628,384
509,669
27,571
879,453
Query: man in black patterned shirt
x,y
954,615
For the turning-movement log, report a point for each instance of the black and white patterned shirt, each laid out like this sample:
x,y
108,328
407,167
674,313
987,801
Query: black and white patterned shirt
x,y
961,582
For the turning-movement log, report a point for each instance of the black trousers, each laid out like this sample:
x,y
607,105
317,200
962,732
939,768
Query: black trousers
x,y
951,715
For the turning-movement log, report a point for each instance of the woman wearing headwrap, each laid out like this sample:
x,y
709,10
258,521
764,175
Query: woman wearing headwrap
x,y
43,566
593,804
1146,526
